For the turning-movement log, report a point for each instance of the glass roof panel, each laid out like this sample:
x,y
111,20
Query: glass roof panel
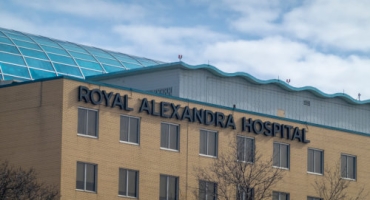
x,y
55,50
146,62
61,59
87,72
1,34
9,48
39,64
7,77
72,47
131,66
26,44
15,70
38,74
33,53
125,58
82,56
45,41
19,37
113,69
11,58
88,64
98,52
108,61
67,69
5,40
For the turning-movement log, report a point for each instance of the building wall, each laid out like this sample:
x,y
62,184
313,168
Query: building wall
x,y
271,99
31,127
109,154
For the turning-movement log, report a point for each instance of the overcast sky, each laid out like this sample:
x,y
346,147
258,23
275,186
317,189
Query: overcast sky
x,y
319,43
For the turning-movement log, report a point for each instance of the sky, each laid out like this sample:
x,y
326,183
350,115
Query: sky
x,y
319,43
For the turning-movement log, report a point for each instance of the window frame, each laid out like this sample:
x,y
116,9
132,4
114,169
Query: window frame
x,y
313,198
207,141
86,123
128,131
354,167
280,155
84,175
245,138
322,161
242,193
215,187
167,185
127,182
287,194
169,141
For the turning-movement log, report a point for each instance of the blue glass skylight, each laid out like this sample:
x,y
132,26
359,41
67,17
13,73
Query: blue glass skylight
x,y
25,56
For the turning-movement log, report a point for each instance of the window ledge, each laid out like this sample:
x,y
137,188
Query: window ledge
x,y
348,179
123,196
313,173
86,191
132,143
166,149
283,168
88,136
208,156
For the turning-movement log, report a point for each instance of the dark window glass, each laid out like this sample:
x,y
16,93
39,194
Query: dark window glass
x,y
280,196
170,136
208,143
281,155
129,129
348,166
128,182
87,122
245,149
207,190
86,176
245,193
168,187
315,161
313,198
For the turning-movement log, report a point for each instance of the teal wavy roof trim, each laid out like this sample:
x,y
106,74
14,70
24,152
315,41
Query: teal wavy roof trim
x,y
243,75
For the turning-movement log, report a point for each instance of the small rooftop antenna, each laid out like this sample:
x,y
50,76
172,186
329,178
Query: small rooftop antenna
x,y
359,95
288,80
180,57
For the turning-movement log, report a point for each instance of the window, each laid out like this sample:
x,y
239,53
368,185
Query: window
x,y
281,155
170,136
207,190
315,161
245,149
130,129
280,196
313,198
87,122
168,188
244,193
208,142
128,183
348,166
86,176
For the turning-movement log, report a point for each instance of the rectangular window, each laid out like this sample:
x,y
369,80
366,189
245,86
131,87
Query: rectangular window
x,y
130,129
281,155
245,149
86,176
169,188
207,190
313,198
348,166
128,183
170,136
87,122
208,142
244,193
315,161
280,196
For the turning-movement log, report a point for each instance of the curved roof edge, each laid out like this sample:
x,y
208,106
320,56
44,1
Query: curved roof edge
x,y
243,75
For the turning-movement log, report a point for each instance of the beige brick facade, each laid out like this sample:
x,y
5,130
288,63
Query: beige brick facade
x,y
38,124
